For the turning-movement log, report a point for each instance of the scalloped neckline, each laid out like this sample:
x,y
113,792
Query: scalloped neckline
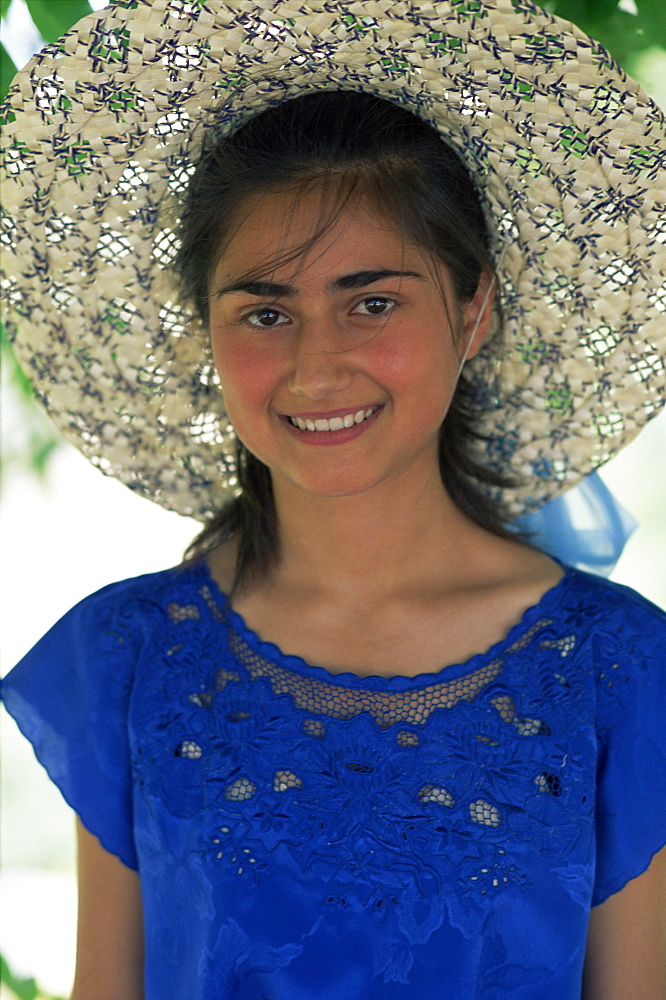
x,y
453,671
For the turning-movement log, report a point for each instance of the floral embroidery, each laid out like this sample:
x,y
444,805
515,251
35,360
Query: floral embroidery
x,y
447,832
279,764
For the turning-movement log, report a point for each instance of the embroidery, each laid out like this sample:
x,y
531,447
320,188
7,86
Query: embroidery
x,y
273,807
375,793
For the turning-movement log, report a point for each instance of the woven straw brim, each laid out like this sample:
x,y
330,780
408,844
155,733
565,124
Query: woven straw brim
x,y
567,152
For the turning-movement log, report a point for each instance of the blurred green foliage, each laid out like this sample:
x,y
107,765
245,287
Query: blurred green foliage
x,y
626,35
7,70
627,28
22,989
53,19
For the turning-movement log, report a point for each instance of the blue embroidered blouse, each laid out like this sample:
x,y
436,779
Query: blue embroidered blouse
x,y
301,834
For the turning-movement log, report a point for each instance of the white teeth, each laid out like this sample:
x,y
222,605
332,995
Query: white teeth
x,y
335,423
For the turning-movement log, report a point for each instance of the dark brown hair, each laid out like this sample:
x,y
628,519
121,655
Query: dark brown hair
x,y
352,147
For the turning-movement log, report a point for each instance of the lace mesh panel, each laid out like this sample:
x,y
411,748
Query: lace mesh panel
x,y
433,793
283,779
180,613
188,749
240,790
506,707
222,678
386,707
314,727
484,813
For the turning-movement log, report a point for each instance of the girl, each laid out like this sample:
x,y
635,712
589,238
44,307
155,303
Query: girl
x,y
366,741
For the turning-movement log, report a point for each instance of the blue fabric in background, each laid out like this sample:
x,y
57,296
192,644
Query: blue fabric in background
x,y
585,527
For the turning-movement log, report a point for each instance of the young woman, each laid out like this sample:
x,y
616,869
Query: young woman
x,y
365,741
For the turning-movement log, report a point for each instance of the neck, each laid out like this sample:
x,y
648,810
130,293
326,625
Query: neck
x,y
371,543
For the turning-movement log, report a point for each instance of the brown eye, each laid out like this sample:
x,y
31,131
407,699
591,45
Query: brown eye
x,y
377,305
266,318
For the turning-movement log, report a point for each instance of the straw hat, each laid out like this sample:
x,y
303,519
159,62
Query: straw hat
x,y
567,152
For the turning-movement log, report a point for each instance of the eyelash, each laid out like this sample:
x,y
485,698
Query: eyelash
x,y
262,312
385,299
378,298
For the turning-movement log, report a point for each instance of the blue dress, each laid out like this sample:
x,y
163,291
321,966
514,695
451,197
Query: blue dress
x,y
305,835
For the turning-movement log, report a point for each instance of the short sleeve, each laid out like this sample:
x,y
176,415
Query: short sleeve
x,y
70,697
631,728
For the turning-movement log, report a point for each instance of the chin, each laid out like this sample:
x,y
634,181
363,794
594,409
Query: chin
x,y
332,487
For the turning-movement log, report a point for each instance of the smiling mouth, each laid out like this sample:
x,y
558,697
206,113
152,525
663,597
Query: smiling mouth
x,y
334,423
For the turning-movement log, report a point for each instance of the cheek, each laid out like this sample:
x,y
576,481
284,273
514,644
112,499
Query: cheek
x,y
419,355
248,375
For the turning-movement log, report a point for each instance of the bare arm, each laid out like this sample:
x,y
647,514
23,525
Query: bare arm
x,y
626,951
109,946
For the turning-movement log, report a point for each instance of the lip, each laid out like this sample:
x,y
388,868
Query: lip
x,y
331,437
332,413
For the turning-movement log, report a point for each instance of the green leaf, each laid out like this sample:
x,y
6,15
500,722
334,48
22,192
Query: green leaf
x,y
53,19
581,12
41,449
626,36
24,989
622,34
652,18
7,71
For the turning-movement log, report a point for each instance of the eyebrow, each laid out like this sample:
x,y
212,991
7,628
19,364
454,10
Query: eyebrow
x,y
346,282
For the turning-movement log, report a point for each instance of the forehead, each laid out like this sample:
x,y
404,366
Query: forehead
x,y
282,230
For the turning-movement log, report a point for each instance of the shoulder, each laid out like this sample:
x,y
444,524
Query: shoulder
x,y
618,632
621,641
602,630
156,591
624,646
109,625
607,603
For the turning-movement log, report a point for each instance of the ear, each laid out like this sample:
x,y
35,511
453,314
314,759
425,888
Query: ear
x,y
478,315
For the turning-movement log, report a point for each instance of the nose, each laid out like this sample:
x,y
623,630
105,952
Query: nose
x,y
321,360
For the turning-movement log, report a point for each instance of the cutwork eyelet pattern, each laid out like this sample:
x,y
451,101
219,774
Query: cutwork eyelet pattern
x,y
352,778
447,832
